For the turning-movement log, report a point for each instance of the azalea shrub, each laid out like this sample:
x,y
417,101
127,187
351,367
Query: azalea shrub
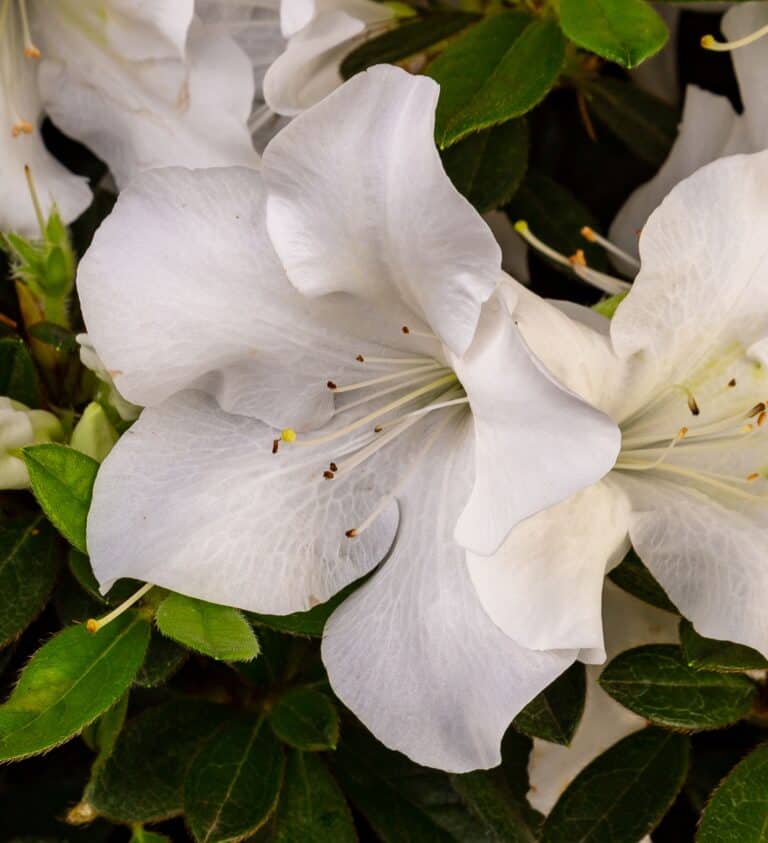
x,y
383,409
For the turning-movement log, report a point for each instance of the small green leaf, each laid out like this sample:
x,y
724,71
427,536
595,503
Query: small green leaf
x,y
29,562
489,166
622,795
488,796
312,807
71,680
738,810
305,719
645,124
234,782
634,578
655,682
18,376
164,657
409,38
498,70
143,778
624,31
62,480
555,713
220,632
723,656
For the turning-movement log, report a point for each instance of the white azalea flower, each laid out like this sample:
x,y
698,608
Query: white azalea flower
x,y
710,128
414,421
628,623
19,427
681,369
141,84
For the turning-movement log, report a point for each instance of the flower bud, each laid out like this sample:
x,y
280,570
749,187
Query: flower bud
x,y
20,426
94,434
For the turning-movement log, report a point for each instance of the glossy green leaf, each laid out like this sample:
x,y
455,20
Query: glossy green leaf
x,y
488,796
555,713
723,656
738,810
306,719
71,680
624,31
403,803
164,657
234,782
655,682
489,166
312,806
621,796
633,577
18,376
62,480
143,778
220,632
29,562
645,124
411,37
498,70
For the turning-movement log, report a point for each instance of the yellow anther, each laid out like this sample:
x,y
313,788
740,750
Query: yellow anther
x,y
748,428
31,52
578,258
752,477
288,435
709,42
92,625
682,433
22,127
521,227
588,234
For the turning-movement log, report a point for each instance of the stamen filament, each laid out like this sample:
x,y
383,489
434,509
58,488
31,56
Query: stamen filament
x,y
381,392
590,234
396,361
704,477
709,42
30,50
93,625
338,390
454,402
35,199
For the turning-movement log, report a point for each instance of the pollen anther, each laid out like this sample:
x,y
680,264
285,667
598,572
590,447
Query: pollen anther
x,y
288,434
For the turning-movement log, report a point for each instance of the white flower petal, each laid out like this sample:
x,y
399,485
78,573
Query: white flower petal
x,y
709,558
709,129
359,202
193,499
151,113
145,29
296,14
628,623
544,585
535,442
413,654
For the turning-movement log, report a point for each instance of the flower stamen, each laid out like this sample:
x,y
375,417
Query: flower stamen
x,y
709,42
93,625
590,234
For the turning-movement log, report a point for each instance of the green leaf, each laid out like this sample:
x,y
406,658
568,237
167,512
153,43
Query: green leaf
x,y
634,578
306,719
645,124
622,795
62,480
109,725
29,562
220,632
141,835
723,656
555,713
489,166
409,38
18,376
488,796
403,803
556,217
624,31
498,70
234,782
164,657
655,682
69,682
738,810
312,806
143,778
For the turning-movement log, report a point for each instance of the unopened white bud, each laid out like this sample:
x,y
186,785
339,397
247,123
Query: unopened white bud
x,y
20,426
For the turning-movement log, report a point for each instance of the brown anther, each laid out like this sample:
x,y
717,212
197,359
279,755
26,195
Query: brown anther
x,y
752,477
405,329
351,534
756,410
333,467
360,358
682,433
328,475
275,445
578,258
378,428
732,382
588,234
761,419
331,385
23,127
693,406
31,52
